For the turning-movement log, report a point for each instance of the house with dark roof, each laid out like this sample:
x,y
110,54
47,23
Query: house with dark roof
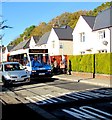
x,y
93,34
42,43
60,41
103,30
33,41
24,45
83,37
21,45
5,51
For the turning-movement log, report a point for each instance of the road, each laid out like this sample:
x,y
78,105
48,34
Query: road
x,y
60,99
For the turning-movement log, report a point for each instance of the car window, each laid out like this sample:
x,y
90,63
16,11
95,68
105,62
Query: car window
x,y
13,67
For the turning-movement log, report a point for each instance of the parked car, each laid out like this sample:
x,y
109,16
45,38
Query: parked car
x,y
14,73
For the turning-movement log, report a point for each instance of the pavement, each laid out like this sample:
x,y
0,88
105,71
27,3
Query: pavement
x,y
93,81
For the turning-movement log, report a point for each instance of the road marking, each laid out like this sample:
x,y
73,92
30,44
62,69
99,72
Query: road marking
x,y
84,108
45,99
80,95
50,99
78,114
71,97
87,112
57,98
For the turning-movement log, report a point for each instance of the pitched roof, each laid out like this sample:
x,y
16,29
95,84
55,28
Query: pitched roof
x,y
90,20
64,33
43,39
103,19
36,39
20,45
27,44
10,47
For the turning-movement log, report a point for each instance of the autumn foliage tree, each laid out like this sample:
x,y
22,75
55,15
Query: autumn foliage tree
x,y
64,19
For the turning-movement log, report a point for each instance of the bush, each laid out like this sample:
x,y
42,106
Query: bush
x,y
103,63
85,63
82,63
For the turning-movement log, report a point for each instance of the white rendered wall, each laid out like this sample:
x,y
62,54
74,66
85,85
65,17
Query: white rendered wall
x,y
78,46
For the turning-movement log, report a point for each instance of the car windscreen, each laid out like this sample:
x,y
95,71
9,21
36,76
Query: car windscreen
x,y
13,67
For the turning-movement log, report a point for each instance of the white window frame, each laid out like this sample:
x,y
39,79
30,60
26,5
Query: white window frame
x,y
102,51
82,52
101,34
53,44
82,37
61,46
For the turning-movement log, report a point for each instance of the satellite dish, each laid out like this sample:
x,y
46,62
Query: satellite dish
x,y
105,42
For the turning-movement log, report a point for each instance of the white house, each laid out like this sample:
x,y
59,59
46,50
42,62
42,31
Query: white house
x,y
58,41
83,37
6,51
42,43
103,31
25,44
93,34
19,51
33,41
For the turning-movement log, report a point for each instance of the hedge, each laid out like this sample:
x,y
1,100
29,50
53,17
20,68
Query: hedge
x,y
85,63
103,63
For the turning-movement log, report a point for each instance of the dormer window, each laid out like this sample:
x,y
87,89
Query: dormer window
x,y
82,37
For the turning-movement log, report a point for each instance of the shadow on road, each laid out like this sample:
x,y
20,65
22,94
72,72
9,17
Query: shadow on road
x,y
19,112
52,104
33,82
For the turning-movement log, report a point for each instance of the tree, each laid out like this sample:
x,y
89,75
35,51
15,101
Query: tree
x,y
61,20
2,26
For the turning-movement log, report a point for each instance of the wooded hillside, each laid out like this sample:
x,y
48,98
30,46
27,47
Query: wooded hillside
x,y
64,19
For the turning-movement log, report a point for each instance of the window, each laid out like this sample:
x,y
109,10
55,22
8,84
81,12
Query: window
x,y
61,46
53,44
82,37
102,51
82,52
44,46
101,34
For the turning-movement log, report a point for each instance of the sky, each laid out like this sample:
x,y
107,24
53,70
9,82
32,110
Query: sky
x,y
21,15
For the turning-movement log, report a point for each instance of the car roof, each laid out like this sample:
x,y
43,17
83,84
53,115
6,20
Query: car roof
x,y
10,63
